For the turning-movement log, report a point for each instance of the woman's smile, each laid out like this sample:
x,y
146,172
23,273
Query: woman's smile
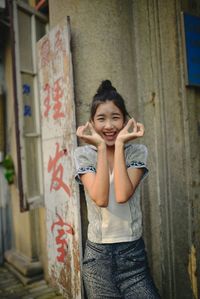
x,y
110,135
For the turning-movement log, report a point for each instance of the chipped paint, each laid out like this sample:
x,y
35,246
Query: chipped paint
x,y
58,144
192,270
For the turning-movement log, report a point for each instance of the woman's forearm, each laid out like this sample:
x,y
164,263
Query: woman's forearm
x,y
97,185
101,184
122,183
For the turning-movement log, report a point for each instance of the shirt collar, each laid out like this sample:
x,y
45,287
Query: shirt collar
x,y
94,147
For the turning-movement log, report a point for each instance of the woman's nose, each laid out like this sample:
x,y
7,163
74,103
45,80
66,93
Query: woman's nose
x,y
108,124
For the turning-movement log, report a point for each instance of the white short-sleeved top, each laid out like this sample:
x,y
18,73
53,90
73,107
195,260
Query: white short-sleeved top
x,y
116,222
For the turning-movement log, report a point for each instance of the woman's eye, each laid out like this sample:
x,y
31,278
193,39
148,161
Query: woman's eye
x,y
100,119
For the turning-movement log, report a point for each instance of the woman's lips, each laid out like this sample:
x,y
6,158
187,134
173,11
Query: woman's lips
x,y
110,135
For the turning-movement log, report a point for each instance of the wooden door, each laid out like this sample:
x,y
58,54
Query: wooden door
x,y
58,143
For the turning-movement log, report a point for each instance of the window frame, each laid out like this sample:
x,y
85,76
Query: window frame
x,y
27,202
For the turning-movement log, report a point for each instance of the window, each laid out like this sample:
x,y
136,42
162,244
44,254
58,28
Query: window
x,y
30,26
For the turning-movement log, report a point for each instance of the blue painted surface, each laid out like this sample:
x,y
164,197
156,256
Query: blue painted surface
x,y
27,110
192,43
26,89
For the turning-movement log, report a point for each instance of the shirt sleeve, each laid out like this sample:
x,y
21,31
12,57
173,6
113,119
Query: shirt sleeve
x,y
85,161
136,157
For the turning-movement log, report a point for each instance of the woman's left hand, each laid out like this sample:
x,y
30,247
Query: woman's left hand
x,y
131,131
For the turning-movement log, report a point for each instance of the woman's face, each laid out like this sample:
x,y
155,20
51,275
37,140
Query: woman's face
x,y
108,122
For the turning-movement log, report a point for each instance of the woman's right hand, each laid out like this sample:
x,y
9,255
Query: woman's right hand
x,y
92,138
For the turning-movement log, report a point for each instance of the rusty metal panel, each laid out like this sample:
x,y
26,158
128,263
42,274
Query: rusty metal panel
x,y
59,141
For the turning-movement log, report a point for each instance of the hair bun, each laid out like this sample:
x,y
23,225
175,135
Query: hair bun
x,y
106,85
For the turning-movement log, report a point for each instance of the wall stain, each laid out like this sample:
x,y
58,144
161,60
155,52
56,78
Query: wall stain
x,y
192,271
152,99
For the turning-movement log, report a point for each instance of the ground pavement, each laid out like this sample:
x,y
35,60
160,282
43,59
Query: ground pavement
x,y
12,288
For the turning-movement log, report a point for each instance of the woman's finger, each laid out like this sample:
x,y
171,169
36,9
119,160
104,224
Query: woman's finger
x,y
81,130
140,128
131,125
91,128
134,125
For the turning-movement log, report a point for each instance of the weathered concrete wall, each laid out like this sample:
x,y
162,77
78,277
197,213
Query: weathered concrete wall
x,y
102,47
170,113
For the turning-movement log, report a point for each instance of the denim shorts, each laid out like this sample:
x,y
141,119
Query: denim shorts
x,y
117,270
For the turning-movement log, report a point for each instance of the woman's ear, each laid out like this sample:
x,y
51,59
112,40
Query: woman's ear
x,y
125,122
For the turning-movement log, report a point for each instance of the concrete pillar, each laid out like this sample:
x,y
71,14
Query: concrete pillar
x,y
102,48
169,111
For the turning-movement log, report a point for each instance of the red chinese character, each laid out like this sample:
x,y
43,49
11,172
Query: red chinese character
x,y
57,95
57,171
45,51
58,42
61,239
47,99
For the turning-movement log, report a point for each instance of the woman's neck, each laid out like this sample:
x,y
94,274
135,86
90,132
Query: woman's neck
x,y
110,156
110,150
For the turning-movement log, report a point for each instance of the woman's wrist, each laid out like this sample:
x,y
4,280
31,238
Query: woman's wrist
x,y
119,143
101,145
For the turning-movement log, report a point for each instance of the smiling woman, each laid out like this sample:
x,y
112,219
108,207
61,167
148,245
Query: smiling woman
x,y
111,170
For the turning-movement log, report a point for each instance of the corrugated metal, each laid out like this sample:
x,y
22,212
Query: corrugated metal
x,y
59,141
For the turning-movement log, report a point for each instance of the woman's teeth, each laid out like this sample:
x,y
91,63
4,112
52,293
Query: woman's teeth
x,y
109,136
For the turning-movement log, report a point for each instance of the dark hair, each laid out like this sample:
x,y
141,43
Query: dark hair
x,y
106,92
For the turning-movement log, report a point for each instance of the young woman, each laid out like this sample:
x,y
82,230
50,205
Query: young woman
x,y
111,170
